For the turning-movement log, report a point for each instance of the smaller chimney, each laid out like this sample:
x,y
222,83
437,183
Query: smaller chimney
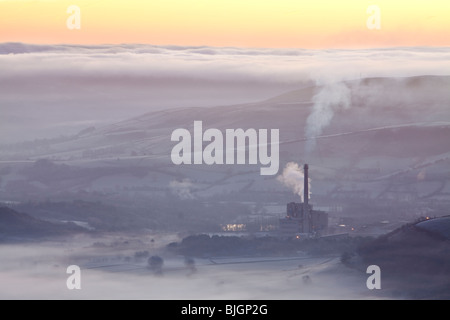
x,y
306,185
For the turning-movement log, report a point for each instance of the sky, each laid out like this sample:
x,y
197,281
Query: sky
x,y
251,23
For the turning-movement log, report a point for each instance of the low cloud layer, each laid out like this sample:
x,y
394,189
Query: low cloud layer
x,y
218,64
45,86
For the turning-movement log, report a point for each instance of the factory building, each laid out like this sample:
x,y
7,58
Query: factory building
x,y
301,218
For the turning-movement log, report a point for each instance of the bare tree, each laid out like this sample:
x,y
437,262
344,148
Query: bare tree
x,y
190,265
155,263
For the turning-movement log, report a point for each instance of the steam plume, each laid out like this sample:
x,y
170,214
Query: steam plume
x,y
293,178
331,98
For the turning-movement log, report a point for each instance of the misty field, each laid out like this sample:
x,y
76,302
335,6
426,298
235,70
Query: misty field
x,y
114,271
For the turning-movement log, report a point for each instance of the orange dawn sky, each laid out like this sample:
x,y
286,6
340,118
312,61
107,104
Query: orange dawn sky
x,y
241,23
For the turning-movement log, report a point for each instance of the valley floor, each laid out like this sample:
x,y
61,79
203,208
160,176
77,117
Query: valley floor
x,y
38,271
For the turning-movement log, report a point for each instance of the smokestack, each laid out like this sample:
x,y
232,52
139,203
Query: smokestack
x,y
305,186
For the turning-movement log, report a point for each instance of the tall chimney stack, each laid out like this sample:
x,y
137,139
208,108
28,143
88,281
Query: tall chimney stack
x,y
306,185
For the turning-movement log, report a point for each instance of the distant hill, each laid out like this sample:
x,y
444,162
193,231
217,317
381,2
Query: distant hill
x,y
376,131
414,259
411,111
17,225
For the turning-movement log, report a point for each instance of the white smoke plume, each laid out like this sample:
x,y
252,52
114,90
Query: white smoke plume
x,y
331,98
293,177
182,188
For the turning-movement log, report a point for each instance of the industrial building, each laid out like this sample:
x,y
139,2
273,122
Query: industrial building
x,y
301,218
